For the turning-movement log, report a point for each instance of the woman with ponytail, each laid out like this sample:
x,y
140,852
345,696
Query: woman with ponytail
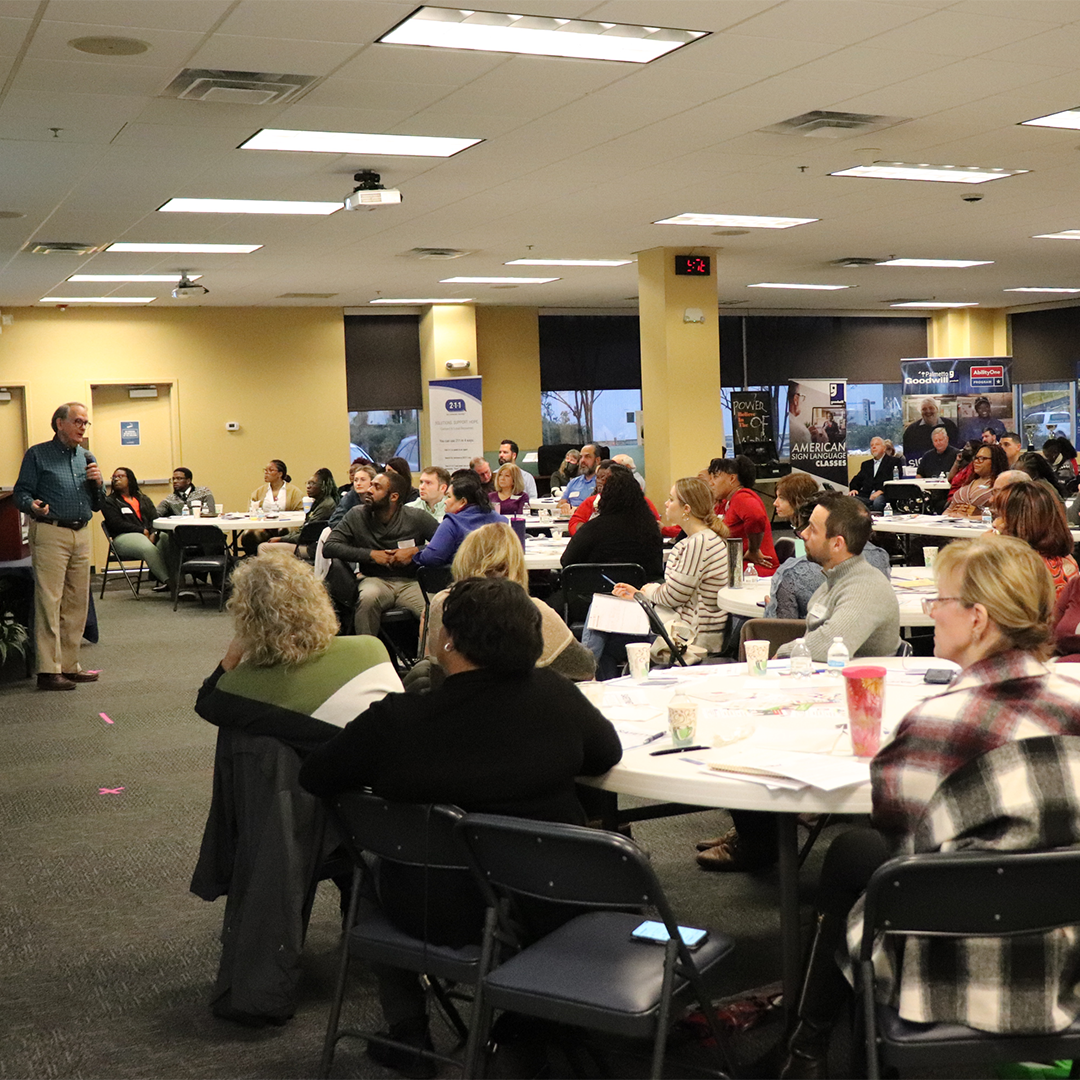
x,y
696,571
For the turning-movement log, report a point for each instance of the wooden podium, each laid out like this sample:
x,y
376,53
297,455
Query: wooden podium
x,y
12,544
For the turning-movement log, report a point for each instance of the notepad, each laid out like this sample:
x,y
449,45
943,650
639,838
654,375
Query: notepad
x,y
614,615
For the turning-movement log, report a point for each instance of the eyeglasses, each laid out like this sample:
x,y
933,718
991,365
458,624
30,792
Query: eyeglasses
x,y
931,602
78,423
983,457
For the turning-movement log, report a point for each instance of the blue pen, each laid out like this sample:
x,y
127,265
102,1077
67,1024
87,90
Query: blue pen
x,y
608,580
653,738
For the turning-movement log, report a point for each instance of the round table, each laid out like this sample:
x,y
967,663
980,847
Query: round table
x,y
543,553
934,525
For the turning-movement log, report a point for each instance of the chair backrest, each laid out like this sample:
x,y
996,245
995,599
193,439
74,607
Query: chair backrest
x,y
580,580
908,498
990,894
776,632
433,579
207,537
411,834
310,531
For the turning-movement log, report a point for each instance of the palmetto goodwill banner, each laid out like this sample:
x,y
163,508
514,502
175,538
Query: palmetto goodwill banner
x,y
456,421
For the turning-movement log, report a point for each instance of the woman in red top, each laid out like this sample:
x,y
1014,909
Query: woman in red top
x,y
743,512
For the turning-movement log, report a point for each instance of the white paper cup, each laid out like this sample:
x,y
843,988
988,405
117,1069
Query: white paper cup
x,y
757,657
196,510
929,554
594,691
637,652
220,508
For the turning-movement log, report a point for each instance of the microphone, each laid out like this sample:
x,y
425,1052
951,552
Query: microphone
x,y
90,460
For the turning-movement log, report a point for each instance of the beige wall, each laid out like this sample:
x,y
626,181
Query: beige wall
x,y
279,372
508,352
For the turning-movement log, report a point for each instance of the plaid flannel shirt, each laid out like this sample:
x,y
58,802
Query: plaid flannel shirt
x,y
973,768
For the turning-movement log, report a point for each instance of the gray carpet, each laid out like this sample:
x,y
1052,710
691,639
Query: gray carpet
x,y
106,958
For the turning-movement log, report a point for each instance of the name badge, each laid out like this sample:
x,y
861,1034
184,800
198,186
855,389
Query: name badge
x,y
815,616
406,543
126,510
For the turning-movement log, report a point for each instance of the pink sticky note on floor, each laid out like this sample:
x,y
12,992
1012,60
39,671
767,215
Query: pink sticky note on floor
x,y
110,790
105,718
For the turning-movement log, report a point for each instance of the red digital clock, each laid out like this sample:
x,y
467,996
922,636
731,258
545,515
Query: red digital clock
x,y
693,265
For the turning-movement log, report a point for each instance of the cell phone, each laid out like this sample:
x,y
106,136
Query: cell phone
x,y
656,932
939,676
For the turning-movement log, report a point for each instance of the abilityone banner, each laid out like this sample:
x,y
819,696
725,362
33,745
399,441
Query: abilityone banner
x,y
817,428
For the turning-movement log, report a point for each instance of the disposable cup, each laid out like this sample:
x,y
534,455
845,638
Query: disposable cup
x,y
220,508
865,700
929,554
196,510
594,691
637,652
757,657
682,721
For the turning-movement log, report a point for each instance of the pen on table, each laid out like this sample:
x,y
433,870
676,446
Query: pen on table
x,y
676,750
653,738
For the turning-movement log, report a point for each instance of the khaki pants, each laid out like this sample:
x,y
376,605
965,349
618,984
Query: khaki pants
x,y
61,561
376,595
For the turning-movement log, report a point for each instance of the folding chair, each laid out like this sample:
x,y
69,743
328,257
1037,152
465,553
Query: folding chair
x,y
776,632
112,555
990,894
205,551
432,579
589,972
411,835
580,580
656,624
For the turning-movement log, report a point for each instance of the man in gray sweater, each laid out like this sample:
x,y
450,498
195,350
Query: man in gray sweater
x,y
856,602
380,539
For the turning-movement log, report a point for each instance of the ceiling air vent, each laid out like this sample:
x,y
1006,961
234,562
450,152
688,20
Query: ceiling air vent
x,y
731,303
823,124
306,295
67,247
435,253
853,261
237,87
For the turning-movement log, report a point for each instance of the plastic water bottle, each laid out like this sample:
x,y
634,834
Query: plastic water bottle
x,y
801,663
253,507
987,517
887,512
750,575
838,656
185,511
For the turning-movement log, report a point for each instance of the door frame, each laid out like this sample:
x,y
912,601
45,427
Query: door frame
x,y
173,384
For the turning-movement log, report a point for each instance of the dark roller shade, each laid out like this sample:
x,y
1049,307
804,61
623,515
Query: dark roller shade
x,y
1045,344
590,352
382,362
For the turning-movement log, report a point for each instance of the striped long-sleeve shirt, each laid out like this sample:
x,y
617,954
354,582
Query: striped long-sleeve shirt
x,y
696,571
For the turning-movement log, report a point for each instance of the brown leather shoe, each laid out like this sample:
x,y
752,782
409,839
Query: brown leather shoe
x,y
82,676
716,841
53,680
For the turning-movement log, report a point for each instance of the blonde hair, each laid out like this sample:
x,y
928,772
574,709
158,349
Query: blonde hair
x,y
282,614
515,472
1011,581
693,492
491,551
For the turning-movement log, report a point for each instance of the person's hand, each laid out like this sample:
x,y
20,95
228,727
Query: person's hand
x,y
233,655
404,555
876,494
39,509
759,558
565,508
383,558
93,473
627,592
274,540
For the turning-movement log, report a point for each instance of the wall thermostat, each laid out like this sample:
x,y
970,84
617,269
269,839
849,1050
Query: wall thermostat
x,y
232,425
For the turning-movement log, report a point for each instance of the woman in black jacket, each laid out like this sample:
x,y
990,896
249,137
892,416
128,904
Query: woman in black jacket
x,y
129,515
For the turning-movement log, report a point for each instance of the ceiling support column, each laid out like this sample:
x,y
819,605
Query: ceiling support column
x,y
969,332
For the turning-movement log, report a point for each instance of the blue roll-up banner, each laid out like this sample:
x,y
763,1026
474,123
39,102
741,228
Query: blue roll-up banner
x,y
966,396
456,421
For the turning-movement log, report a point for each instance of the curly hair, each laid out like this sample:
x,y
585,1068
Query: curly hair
x,y
491,551
282,614
622,494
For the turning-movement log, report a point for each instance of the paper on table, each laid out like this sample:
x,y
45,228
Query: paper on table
x,y
627,697
631,737
620,714
614,615
818,770
804,738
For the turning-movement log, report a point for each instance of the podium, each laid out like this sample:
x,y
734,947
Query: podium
x,y
13,544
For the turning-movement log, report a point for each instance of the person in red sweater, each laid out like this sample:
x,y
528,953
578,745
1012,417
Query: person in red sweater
x,y
742,511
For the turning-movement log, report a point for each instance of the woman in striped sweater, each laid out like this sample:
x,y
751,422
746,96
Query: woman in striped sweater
x,y
696,571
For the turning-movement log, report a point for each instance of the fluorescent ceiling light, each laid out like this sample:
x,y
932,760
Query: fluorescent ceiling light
x,y
568,262
779,285
933,305
1067,234
1068,118
496,280
745,221
97,299
960,263
246,206
535,35
1039,288
428,300
942,174
352,142
187,249
132,277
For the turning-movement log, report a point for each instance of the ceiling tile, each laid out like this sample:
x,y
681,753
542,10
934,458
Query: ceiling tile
x,y
835,22
77,77
168,48
305,117
12,35
237,53
316,20
407,63
197,15
1058,12
376,94
951,34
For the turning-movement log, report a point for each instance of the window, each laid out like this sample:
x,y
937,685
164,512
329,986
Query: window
x,y
380,434
1046,409
581,416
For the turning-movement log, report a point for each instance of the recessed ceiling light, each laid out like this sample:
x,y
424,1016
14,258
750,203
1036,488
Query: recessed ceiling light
x,y
1067,118
190,249
932,305
942,174
246,206
496,280
1039,288
568,262
535,35
97,299
351,142
424,300
746,221
132,277
1067,234
955,263
109,46
779,285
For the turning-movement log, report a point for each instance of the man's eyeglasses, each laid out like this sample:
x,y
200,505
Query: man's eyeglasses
x,y
79,423
931,602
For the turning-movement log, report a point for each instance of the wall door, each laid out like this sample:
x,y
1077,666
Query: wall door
x,y
13,442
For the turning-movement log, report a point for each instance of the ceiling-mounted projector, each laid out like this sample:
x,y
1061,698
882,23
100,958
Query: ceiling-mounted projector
x,y
369,193
186,289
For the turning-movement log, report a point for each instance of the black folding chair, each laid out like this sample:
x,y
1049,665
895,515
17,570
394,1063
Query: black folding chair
x,y
580,580
656,624
409,835
205,552
990,894
310,532
589,972
112,555
432,579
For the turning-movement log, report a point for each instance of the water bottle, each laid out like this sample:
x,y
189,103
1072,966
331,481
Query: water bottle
x,y
887,512
750,576
838,656
987,517
253,506
185,511
801,664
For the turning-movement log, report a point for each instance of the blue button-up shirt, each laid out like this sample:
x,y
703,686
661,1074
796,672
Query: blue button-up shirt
x,y
579,489
56,474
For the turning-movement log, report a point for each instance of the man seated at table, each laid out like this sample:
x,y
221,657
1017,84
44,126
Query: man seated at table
x,y
588,509
508,455
380,539
434,481
584,484
1013,446
483,470
185,493
868,484
938,460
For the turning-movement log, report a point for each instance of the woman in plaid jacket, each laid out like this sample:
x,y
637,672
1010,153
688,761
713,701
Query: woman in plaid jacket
x,y
993,617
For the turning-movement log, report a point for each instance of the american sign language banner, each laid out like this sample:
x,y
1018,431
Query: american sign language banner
x,y
817,428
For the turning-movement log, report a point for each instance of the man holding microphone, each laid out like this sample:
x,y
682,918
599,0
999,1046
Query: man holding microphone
x,y
59,487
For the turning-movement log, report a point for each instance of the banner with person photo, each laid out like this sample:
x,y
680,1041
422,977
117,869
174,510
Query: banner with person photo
x,y
817,428
970,397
